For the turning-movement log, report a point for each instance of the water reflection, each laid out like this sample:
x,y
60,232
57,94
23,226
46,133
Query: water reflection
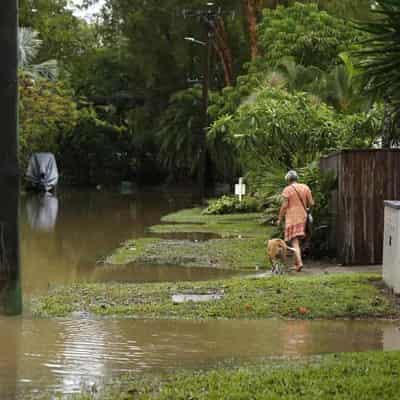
x,y
62,238
42,211
62,356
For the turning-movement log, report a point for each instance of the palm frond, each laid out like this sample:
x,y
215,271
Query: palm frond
x,y
28,46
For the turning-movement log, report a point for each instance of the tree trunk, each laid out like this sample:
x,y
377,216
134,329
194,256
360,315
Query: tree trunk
x,y
250,12
223,50
10,296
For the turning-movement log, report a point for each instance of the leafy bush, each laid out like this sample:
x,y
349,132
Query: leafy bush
x,y
231,205
311,36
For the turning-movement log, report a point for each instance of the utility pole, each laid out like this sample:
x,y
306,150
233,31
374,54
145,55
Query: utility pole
x,y
208,17
10,294
202,140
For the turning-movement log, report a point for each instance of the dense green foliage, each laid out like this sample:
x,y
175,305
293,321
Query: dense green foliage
x,y
125,76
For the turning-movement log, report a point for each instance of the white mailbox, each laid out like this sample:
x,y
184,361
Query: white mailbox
x,y
240,189
391,246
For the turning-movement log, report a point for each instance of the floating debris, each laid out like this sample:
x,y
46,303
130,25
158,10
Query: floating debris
x,y
196,298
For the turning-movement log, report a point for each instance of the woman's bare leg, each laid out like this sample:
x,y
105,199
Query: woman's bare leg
x,y
296,246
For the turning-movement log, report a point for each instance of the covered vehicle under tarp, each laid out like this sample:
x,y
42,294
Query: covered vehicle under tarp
x,y
42,172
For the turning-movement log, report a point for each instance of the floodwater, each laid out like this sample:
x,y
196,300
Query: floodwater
x,y
62,240
66,356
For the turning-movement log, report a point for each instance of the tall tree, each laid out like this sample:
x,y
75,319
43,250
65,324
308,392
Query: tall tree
x,y
9,171
250,11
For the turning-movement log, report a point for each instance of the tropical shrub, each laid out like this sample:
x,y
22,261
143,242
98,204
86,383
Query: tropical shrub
x,y
231,205
283,128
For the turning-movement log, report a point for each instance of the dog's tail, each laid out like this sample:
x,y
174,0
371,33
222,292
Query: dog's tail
x,y
285,247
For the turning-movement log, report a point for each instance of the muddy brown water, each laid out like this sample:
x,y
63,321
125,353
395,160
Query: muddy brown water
x,y
61,240
63,237
67,356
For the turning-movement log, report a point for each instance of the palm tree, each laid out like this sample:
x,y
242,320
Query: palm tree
x,y
380,55
28,48
343,89
379,60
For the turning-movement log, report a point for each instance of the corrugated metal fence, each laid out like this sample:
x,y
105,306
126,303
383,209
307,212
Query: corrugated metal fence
x,y
365,178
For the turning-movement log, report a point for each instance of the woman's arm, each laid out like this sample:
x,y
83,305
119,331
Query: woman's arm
x,y
282,211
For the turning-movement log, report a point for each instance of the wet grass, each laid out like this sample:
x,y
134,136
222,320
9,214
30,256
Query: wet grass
x,y
245,253
242,243
326,296
131,251
230,225
366,376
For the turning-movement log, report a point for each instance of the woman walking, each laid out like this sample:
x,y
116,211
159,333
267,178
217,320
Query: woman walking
x,y
296,201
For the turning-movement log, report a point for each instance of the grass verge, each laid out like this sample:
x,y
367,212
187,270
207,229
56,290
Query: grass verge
x,y
366,376
230,225
242,244
245,253
326,296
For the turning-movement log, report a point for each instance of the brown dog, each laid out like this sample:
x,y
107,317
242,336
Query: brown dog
x,y
277,251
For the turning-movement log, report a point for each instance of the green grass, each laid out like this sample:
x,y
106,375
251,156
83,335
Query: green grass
x,y
365,376
327,296
242,244
131,251
230,225
245,253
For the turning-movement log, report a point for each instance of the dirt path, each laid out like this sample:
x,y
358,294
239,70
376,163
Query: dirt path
x,y
312,268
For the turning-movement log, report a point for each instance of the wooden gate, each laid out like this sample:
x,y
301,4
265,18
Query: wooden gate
x,y
365,178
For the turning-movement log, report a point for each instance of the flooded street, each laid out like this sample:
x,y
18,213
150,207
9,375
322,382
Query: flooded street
x,y
62,240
